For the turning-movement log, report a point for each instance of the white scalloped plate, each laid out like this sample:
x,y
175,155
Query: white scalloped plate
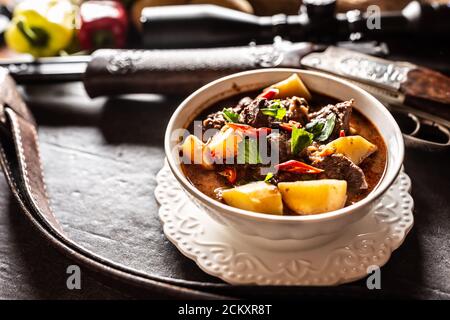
x,y
241,259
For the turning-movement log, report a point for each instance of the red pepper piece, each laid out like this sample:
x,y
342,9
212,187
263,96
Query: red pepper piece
x,y
264,130
230,174
288,126
297,167
103,24
249,130
341,133
269,93
244,128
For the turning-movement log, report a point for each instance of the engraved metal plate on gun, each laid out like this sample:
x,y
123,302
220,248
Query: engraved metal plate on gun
x,y
381,77
409,91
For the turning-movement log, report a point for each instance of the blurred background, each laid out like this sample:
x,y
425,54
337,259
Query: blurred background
x,y
78,27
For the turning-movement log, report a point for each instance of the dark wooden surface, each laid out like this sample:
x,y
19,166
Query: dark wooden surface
x,y
77,151
100,160
29,267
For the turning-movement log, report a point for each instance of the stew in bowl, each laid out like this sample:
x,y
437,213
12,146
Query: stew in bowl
x,y
243,189
284,150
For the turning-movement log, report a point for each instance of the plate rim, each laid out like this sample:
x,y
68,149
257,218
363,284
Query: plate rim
x,y
195,257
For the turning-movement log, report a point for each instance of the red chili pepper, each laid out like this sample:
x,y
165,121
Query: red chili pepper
x,y
244,128
297,167
103,24
230,174
288,126
341,133
249,130
265,131
269,93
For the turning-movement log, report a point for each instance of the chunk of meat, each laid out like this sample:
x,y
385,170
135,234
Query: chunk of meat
x,y
342,110
252,115
284,176
280,141
242,104
216,120
297,110
337,166
311,152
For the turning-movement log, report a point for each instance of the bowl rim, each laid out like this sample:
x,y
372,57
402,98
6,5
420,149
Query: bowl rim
x,y
385,182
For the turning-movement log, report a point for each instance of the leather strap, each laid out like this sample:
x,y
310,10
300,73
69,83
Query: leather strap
x,y
19,154
21,163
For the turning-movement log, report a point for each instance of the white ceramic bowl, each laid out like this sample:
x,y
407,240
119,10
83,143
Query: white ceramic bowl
x,y
285,227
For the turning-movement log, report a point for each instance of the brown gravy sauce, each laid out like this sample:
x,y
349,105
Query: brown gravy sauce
x,y
373,167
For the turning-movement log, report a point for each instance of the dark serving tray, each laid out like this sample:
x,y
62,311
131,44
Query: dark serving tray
x,y
100,160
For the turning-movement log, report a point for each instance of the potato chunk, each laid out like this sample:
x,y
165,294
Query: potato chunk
x,y
314,196
290,87
224,145
356,148
196,152
256,196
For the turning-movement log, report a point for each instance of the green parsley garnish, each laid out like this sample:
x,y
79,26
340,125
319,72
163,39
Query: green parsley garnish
x,y
322,128
248,152
230,115
275,110
300,139
315,127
